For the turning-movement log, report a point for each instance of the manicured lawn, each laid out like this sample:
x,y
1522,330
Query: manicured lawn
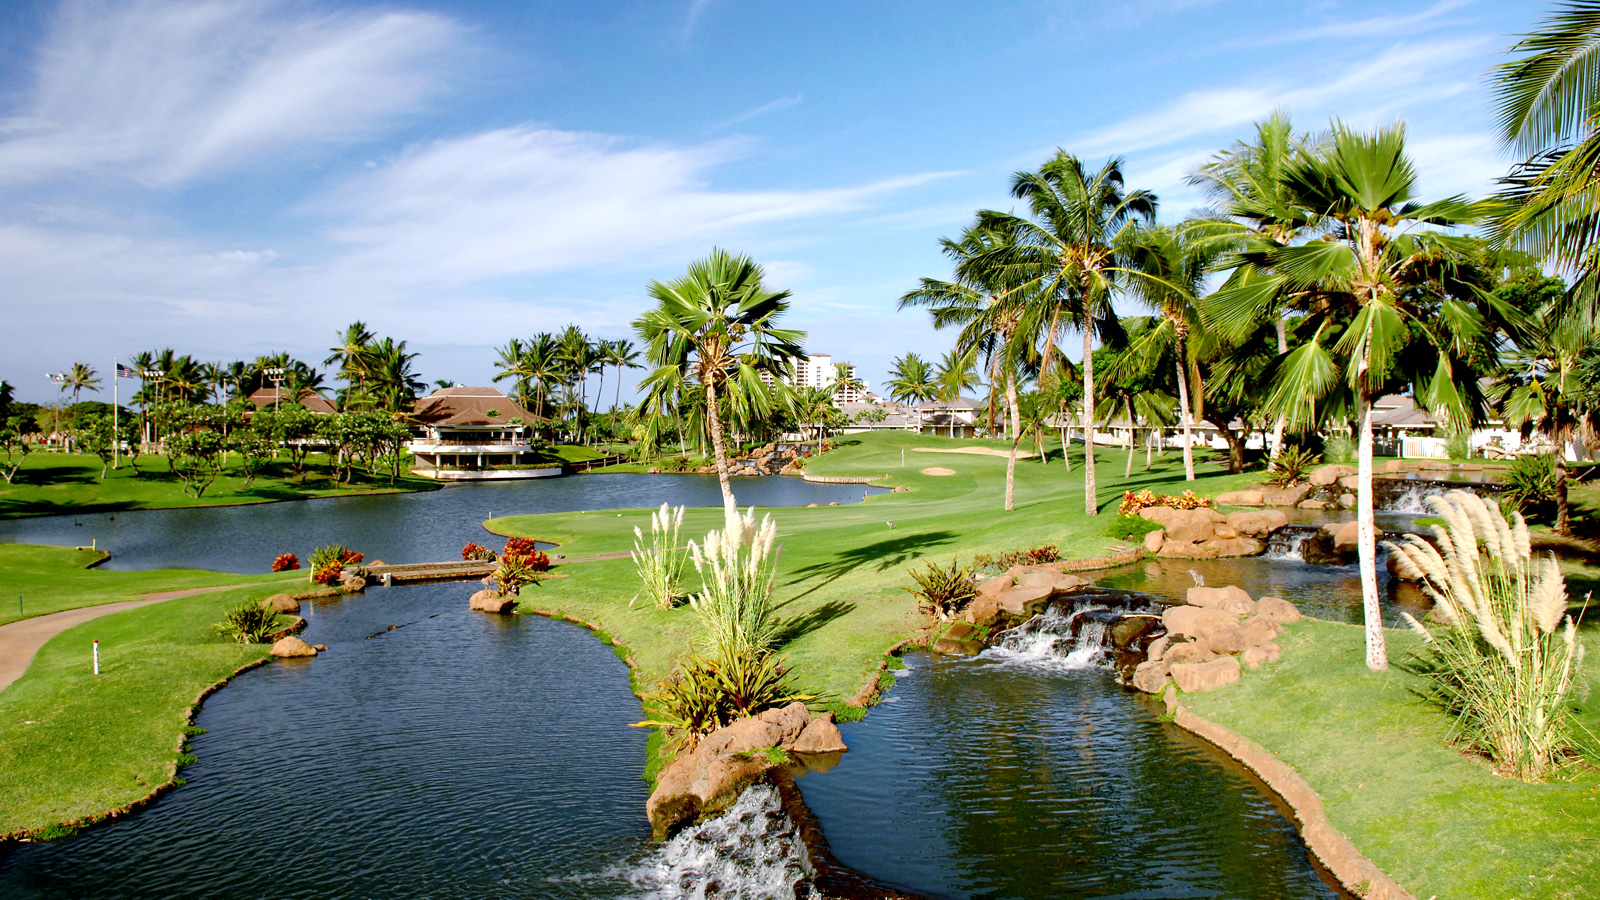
x,y
73,744
54,483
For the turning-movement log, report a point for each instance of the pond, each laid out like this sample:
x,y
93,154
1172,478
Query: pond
x,y
427,526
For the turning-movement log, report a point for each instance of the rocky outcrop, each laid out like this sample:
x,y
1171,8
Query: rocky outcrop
x,y
1324,476
292,648
709,776
1209,637
1208,534
1206,676
1288,496
491,602
282,603
1022,591
1242,498
1336,544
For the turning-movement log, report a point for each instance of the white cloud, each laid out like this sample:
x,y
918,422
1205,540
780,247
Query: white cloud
x,y
1373,27
776,105
162,92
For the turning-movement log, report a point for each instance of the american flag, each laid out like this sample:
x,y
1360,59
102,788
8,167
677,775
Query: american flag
x,y
125,372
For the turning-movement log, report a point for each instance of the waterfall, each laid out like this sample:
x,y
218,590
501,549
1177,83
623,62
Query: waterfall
x,y
1072,638
753,851
1283,544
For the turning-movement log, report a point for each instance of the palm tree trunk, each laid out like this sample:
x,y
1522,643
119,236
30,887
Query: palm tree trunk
x,y
1149,438
1127,471
730,507
1016,437
1277,425
1377,655
1090,507
1563,507
1183,410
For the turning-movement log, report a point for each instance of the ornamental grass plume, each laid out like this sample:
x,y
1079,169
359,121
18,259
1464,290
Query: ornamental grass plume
x,y
738,567
660,565
1505,656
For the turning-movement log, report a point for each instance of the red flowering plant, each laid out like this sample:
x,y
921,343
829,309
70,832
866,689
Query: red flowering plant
x,y
1133,501
328,575
528,552
283,562
474,552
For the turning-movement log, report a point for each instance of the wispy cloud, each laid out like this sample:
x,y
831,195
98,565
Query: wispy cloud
x,y
1375,27
776,105
691,20
161,92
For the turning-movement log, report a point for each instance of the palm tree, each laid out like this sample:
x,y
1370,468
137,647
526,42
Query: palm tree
x,y
957,373
513,363
1547,99
717,325
576,358
1072,254
352,353
392,381
1366,277
911,380
79,378
624,355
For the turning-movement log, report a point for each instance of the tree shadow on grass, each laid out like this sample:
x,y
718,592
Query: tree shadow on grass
x,y
879,556
805,623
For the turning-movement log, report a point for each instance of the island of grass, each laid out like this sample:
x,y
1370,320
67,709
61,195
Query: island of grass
x,y
1438,821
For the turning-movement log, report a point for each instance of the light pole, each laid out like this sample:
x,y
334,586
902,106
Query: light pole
x,y
151,375
61,386
275,375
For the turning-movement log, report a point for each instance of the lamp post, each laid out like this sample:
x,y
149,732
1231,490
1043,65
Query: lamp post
x,y
60,379
150,375
275,375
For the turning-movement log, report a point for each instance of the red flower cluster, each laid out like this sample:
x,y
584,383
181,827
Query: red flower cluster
x,y
351,558
1133,502
528,552
328,575
474,552
283,562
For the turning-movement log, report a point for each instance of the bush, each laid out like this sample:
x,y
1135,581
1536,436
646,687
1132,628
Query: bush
x,y
334,555
706,693
511,575
1033,556
528,552
1133,501
477,553
1531,485
1505,659
1292,466
1131,528
660,565
944,591
285,562
1341,448
328,575
1458,445
249,623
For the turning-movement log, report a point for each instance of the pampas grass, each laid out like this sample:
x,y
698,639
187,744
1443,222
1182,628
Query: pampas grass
x,y
1504,656
738,566
660,565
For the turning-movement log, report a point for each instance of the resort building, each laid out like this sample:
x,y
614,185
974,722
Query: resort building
x,y
951,418
277,398
876,414
475,434
819,371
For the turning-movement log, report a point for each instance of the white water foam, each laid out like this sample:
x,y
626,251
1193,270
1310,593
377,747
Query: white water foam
x,y
751,852
1046,641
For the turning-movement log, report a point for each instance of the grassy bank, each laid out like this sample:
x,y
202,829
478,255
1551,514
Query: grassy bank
x,y
73,744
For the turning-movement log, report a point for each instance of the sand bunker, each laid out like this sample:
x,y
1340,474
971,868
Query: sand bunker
x,y
935,470
979,451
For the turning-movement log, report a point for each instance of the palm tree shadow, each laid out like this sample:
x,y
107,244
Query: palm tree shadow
x,y
802,625
881,555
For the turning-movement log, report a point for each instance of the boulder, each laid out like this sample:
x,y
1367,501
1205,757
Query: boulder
x,y
1157,647
900,489
789,720
491,601
821,736
1346,535
1348,501
1150,677
833,503
1257,524
1187,652
320,648
1313,504
292,647
1242,498
1224,532
1279,610
811,506
1230,599
982,611
1289,496
282,603
1253,657
701,782
1258,630
1196,623
996,586
1322,476
959,631
1206,676
653,470
1350,482
950,647
1127,631
1154,539
1394,465
1223,548
352,583
1227,639
747,735
1024,601
1184,550
1189,526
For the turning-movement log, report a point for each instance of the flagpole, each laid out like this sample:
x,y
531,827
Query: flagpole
x,y
116,432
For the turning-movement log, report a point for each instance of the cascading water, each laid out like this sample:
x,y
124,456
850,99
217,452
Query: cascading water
x,y
1066,638
753,851
1283,544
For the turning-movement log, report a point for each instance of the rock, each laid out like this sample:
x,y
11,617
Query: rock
x,y
982,611
1346,535
1312,504
900,489
292,647
1153,540
1289,496
491,601
950,647
1233,547
1224,532
353,584
320,648
1157,647
1274,652
1206,676
1350,482
282,603
1230,599
1184,525
789,720
1258,630
1184,550
1187,652
1348,501
833,503
1322,476
1253,657
1024,601
1150,677
996,586
747,735
1227,639
1394,465
653,470
1279,610
1129,630
1257,524
811,506
1196,623
1242,498
821,736
959,631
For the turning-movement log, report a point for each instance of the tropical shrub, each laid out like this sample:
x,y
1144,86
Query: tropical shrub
x,y
1458,445
511,575
1133,501
1131,528
249,623
737,567
707,692
1032,556
474,552
660,565
1341,448
327,574
1531,485
1292,466
335,555
529,552
943,590
1504,660
284,562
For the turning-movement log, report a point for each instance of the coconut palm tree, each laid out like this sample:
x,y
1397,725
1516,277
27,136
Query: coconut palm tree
x,y
717,326
512,362
1072,254
1368,299
624,355
911,380
351,352
79,378
392,381
957,373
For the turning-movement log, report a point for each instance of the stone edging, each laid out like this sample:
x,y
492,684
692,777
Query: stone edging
x,y
1359,875
1109,561
842,479
17,837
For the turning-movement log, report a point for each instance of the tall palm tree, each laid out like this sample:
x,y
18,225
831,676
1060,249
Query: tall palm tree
x,y
79,378
392,381
957,373
1365,275
911,380
1072,254
718,325
352,353
624,355
512,362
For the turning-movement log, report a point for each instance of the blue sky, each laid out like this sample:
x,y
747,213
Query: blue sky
x,y
237,177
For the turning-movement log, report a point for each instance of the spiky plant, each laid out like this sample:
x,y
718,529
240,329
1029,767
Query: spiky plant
x,y
1291,466
660,565
944,591
1505,658
705,693
737,566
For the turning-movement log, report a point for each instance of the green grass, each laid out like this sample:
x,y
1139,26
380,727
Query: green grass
x,y
55,483
73,744
1438,821
51,579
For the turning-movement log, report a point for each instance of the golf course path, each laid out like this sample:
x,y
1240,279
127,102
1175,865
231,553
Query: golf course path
x,y
20,640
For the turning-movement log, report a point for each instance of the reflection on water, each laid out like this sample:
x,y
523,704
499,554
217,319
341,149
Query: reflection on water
x,y
985,780
396,528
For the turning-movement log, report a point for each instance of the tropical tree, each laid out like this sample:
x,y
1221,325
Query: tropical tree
x,y
352,353
718,325
911,380
623,355
1073,255
391,380
1370,277
957,373
79,378
513,363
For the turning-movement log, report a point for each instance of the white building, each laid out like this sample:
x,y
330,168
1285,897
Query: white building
x,y
819,371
